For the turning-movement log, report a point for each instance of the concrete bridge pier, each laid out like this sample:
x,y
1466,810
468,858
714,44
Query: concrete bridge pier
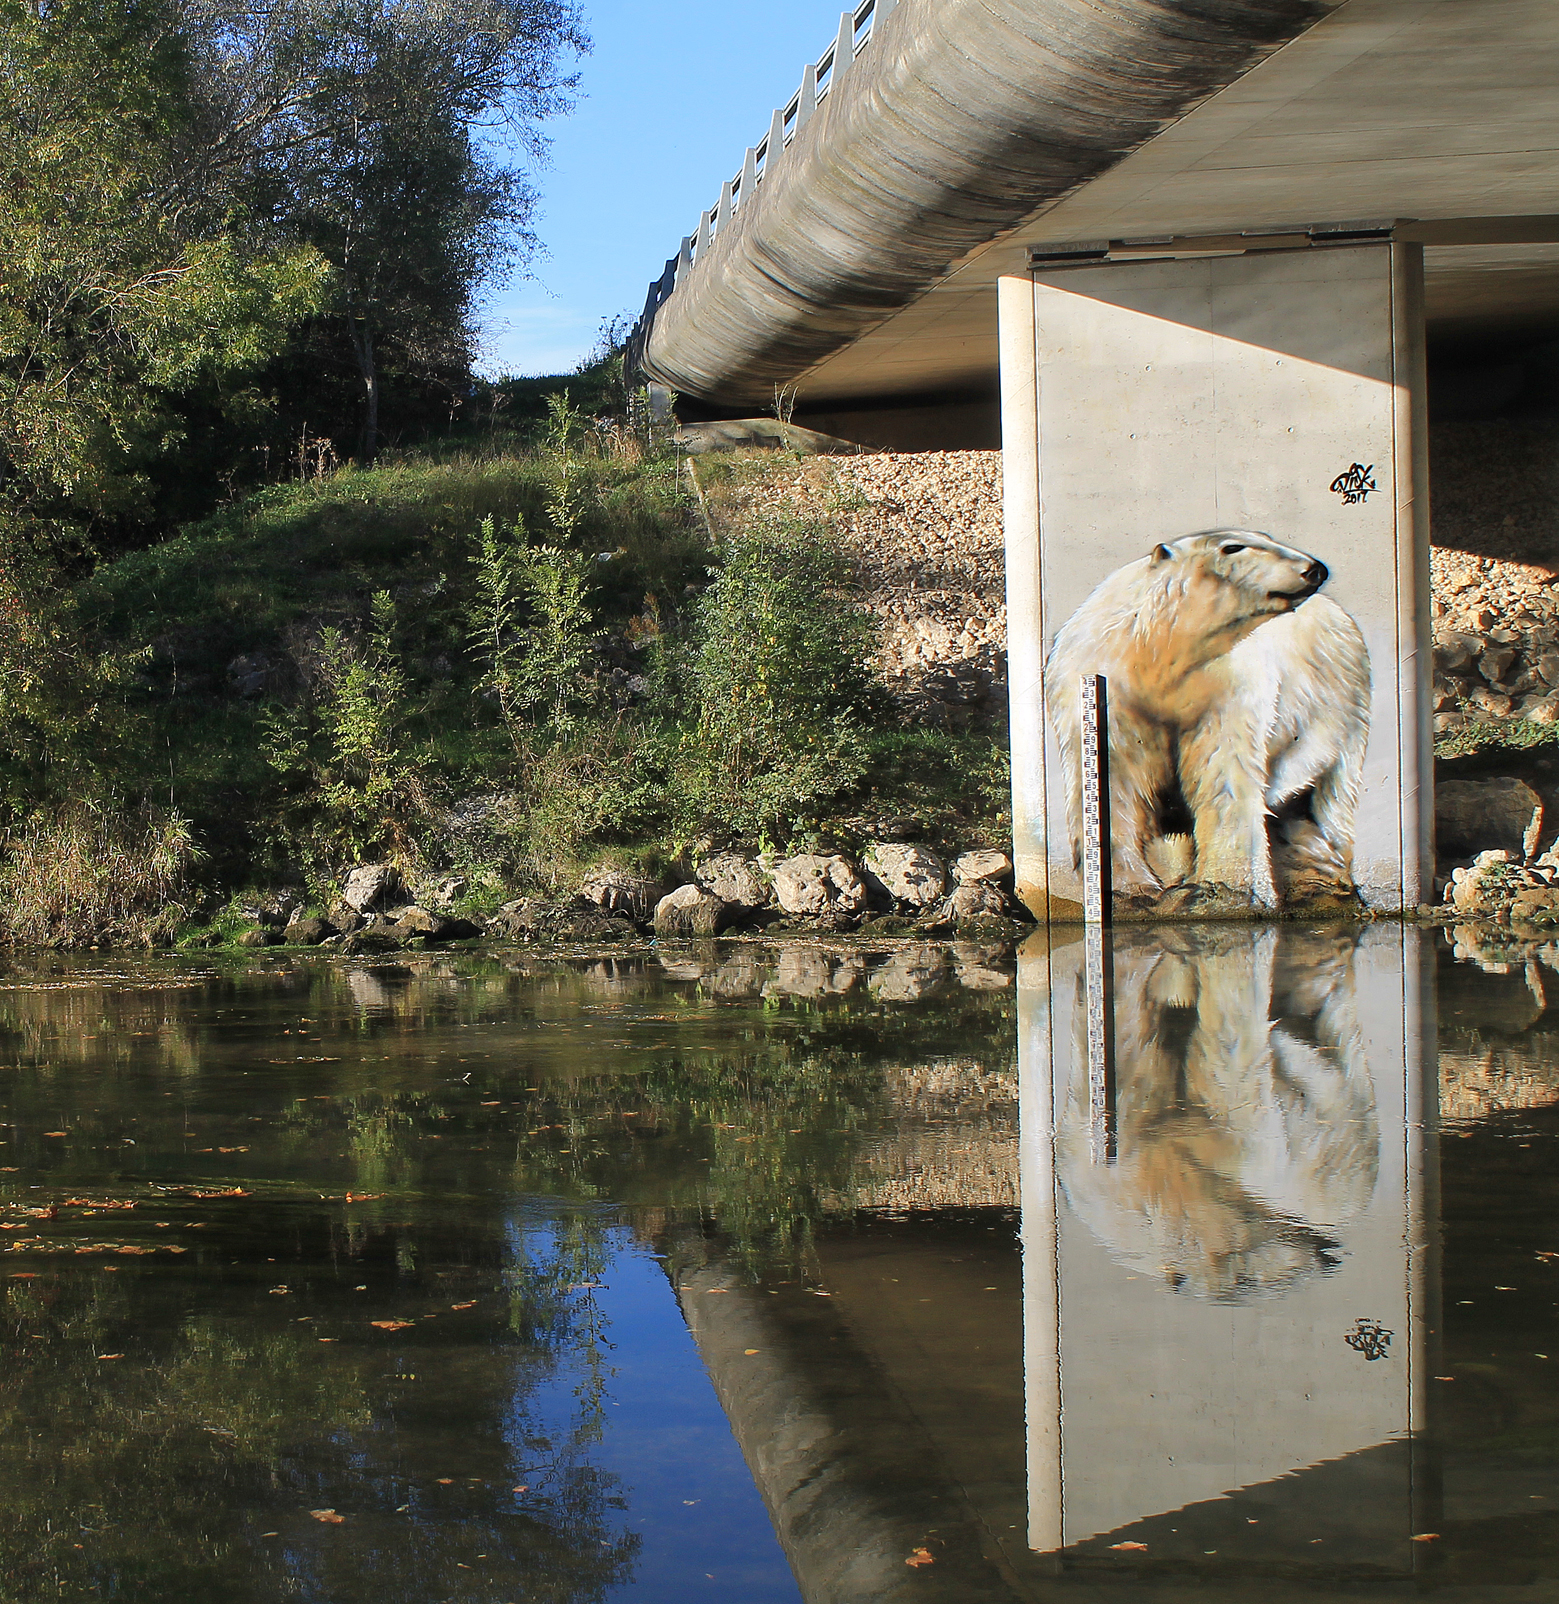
x,y
1152,390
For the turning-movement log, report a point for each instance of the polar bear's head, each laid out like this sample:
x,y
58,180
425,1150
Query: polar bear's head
x,y
1237,576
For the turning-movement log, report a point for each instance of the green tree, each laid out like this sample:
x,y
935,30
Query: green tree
x,y
118,289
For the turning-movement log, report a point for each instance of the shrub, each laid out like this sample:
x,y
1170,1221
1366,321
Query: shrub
x,y
359,783
779,680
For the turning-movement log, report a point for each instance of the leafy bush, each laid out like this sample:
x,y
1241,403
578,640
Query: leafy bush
x,y
778,680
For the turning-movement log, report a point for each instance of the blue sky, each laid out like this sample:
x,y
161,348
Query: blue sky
x,y
673,94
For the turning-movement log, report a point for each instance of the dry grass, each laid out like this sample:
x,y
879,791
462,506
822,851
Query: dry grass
x,y
94,875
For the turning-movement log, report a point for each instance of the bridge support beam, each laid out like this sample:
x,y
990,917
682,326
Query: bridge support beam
x,y
1144,401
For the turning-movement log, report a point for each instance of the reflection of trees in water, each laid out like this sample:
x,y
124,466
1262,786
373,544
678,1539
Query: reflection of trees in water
x,y
1247,1130
153,1477
728,1093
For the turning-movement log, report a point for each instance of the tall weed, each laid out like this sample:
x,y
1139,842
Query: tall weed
x,y
97,875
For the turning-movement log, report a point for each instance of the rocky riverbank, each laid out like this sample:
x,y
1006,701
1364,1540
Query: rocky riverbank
x,y
892,888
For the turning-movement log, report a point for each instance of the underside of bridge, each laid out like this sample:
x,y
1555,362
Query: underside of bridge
x,y
862,267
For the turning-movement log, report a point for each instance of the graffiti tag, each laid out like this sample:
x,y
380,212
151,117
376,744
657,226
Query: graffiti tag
x,y
1355,483
1369,1337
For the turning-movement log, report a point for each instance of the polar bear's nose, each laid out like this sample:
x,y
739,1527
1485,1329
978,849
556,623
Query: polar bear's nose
x,y
1317,574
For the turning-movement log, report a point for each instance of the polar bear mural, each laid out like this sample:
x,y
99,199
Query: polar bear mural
x,y
1238,705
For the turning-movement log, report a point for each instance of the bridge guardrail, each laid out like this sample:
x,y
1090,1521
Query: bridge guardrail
x,y
857,28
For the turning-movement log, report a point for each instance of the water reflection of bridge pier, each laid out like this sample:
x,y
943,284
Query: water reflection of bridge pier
x,y
1212,1363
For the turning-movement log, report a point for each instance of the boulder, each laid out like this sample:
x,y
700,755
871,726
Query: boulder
x,y
1501,812
376,937
1491,703
976,900
910,875
814,884
970,868
735,878
442,893
258,936
618,891
420,921
371,886
690,911
532,919
307,932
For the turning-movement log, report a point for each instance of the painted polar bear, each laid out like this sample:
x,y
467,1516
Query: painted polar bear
x,y
1229,677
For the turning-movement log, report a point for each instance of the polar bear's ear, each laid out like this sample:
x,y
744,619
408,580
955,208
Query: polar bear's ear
x,y
1161,553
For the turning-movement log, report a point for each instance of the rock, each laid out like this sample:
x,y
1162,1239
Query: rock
x,y
419,921
618,891
691,911
1542,710
908,874
816,884
1494,703
532,919
1455,649
735,878
370,886
972,867
443,892
307,932
377,937
978,900
345,919
1502,812
259,936
1493,663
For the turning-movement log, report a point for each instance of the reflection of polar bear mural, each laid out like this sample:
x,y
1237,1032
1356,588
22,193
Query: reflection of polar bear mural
x,y
1238,706
1248,1135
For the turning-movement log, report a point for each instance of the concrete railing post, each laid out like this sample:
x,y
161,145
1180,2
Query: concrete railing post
x,y
724,209
776,145
844,48
749,176
807,103
705,232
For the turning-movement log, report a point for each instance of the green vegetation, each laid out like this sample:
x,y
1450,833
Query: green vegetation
x,y
1493,737
282,584
506,665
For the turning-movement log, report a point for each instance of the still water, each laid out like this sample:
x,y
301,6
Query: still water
x,y
703,1274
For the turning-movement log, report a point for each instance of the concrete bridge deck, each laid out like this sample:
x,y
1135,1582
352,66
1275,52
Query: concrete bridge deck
x,y
857,255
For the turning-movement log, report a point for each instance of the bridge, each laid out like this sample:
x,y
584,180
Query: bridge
x,y
1186,263
935,144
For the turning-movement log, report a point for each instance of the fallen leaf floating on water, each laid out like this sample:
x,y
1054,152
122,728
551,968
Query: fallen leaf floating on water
x,y
750,1352
920,1556
470,1305
1426,1537
1130,1548
98,1203
327,1517
121,1356
227,1191
363,1197
56,1133
391,1325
